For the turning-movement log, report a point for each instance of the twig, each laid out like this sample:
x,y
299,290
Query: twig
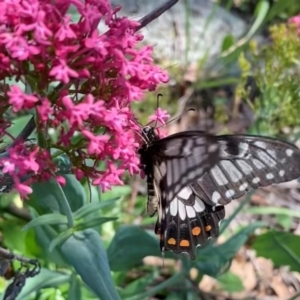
x,y
25,133
4,253
21,275
155,13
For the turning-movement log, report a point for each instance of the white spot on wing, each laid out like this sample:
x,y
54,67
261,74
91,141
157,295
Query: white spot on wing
x,y
243,149
185,193
190,212
243,187
187,148
272,153
245,167
174,207
266,158
216,197
199,205
269,176
213,147
181,210
289,152
256,180
258,165
234,174
260,144
229,193
218,175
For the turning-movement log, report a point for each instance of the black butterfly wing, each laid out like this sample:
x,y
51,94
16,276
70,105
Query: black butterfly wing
x,y
180,159
190,222
171,164
247,163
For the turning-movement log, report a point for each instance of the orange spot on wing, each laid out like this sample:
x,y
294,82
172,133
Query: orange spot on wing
x,y
184,243
171,241
196,230
208,228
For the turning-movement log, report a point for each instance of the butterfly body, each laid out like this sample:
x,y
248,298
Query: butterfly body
x,y
191,176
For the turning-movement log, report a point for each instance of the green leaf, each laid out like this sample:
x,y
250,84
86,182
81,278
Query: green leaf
x,y
277,8
75,289
93,222
93,269
17,126
116,192
281,247
262,9
47,219
228,41
269,210
138,286
90,208
44,236
225,223
213,260
45,197
175,280
74,192
45,279
59,239
49,197
230,282
284,215
13,237
285,221
129,246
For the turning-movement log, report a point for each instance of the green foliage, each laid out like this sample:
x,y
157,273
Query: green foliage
x,y
230,282
281,247
275,69
81,237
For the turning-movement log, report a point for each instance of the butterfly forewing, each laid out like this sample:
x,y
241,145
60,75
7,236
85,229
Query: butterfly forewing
x,y
191,176
181,159
246,163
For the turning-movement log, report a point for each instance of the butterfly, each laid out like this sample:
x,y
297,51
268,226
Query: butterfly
x,y
192,175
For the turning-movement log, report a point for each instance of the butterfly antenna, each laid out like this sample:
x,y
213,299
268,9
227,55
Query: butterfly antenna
x,y
141,136
157,105
176,118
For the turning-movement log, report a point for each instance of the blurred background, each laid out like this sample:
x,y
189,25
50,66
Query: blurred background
x,y
236,62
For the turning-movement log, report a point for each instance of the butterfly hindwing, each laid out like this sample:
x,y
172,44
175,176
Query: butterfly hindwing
x,y
190,222
247,163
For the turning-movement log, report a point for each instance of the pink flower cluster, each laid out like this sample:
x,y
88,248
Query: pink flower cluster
x,y
82,83
295,20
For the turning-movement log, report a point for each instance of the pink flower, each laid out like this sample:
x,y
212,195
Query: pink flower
x,y
295,20
63,72
81,83
19,100
98,43
65,31
160,116
110,177
96,144
23,189
44,109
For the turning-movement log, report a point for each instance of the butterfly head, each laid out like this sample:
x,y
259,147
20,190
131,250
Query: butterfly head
x,y
149,135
